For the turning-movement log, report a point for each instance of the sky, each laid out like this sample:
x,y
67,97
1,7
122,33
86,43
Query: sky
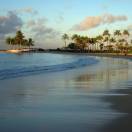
x,y
47,20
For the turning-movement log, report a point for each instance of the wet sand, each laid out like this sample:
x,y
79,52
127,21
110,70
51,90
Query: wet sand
x,y
123,105
89,99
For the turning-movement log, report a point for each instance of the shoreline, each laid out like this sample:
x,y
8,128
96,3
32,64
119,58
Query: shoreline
x,y
17,51
113,55
117,103
39,50
121,104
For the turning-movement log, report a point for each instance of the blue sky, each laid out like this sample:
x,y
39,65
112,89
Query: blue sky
x,y
47,20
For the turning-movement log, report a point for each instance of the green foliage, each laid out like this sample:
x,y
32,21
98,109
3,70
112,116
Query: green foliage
x,y
118,41
101,46
106,33
72,46
125,32
65,37
19,41
80,41
19,38
117,33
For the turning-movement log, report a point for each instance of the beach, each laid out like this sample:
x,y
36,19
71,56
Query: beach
x,y
65,92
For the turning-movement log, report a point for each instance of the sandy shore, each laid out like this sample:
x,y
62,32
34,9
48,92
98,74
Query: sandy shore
x,y
96,98
123,105
119,55
115,55
15,51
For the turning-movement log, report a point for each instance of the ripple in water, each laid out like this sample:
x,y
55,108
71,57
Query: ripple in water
x,y
34,70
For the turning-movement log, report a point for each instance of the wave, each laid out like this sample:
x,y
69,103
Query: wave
x,y
34,70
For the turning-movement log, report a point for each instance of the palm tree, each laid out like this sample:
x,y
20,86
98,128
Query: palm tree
x,y
30,42
25,43
99,39
109,48
84,42
13,42
106,35
112,41
117,33
19,38
126,32
130,47
8,41
106,39
121,45
65,37
92,41
131,42
77,40
126,47
101,46
126,35
122,40
74,36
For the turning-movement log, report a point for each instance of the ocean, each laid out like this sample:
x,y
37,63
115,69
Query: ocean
x,y
44,92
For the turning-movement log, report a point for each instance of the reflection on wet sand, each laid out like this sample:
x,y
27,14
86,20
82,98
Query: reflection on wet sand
x,y
89,99
107,79
123,105
119,83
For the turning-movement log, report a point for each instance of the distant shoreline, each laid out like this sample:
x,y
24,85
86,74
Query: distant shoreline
x,y
115,55
15,51
40,50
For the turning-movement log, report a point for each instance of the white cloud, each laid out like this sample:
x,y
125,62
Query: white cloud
x,y
95,21
129,27
10,23
28,10
44,35
39,28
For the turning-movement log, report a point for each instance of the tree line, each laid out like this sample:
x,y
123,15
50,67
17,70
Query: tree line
x,y
118,41
19,41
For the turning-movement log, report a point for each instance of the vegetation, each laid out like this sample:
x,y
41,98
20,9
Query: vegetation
x,y
19,41
65,37
117,42
72,46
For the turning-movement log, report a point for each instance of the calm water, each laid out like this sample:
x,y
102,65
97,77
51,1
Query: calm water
x,y
61,93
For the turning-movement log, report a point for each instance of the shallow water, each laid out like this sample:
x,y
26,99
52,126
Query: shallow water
x,y
32,64
71,98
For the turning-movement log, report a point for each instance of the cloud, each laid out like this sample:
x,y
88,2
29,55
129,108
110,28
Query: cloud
x,y
42,33
10,23
39,28
95,21
104,7
28,10
38,22
60,19
129,27
108,18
